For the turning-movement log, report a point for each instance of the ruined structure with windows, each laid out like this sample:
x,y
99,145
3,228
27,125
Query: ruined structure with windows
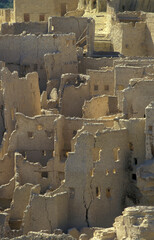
x,y
77,120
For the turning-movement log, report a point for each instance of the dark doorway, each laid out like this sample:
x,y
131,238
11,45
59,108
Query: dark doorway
x,y
94,4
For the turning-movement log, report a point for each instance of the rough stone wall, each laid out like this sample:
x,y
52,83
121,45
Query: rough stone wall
x,y
77,89
26,101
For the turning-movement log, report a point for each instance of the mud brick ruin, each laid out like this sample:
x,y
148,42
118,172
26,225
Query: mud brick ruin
x,y
77,120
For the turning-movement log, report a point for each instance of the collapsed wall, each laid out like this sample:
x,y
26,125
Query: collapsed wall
x,y
26,53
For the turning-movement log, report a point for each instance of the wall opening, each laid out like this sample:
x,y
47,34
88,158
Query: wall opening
x,y
24,155
26,17
108,193
116,152
92,172
95,87
15,224
106,87
61,176
44,174
135,161
152,150
94,4
96,154
42,18
134,176
131,147
98,192
123,8
74,133
30,135
49,134
44,153
114,171
107,172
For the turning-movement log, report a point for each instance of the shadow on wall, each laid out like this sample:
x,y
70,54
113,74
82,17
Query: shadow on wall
x,y
136,5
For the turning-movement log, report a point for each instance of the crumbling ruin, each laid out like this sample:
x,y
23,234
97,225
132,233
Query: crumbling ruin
x,y
76,120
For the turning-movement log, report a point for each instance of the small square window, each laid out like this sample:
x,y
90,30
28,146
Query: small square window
x,y
26,17
134,176
95,87
30,135
44,174
44,153
42,18
108,193
49,134
98,192
106,87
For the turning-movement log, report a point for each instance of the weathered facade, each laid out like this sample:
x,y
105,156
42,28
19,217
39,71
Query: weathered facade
x,y
76,124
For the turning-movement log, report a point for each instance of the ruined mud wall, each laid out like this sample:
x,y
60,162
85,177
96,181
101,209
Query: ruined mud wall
x,y
94,63
129,38
29,27
26,101
81,26
101,81
47,8
137,97
26,53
